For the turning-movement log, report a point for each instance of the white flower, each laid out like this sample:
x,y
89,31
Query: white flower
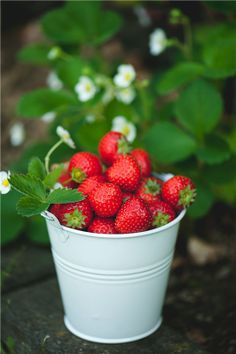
x,y
142,15
65,136
54,53
85,88
122,125
126,95
126,74
48,117
54,82
157,41
5,185
17,134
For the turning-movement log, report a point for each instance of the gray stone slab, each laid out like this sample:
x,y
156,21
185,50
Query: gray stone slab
x,y
32,321
25,263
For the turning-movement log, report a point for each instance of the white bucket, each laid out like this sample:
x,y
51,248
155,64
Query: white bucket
x,y
112,286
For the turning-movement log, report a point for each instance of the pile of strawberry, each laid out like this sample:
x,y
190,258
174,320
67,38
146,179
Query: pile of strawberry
x,y
121,195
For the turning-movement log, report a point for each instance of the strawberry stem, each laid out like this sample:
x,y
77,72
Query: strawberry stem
x,y
78,175
187,197
47,157
160,219
75,220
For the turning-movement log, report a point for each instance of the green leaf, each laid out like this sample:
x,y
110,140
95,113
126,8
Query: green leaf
x,y
11,223
81,22
41,101
64,195
28,185
199,108
220,58
34,54
69,71
52,177
179,75
203,202
36,168
167,143
28,206
221,174
37,230
216,150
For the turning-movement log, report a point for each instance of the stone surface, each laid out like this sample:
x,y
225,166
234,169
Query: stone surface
x,y
23,264
32,320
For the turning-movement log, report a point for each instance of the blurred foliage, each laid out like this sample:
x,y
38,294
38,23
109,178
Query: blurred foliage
x,y
179,112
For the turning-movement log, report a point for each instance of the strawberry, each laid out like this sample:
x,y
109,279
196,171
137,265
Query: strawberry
x,y
102,226
84,164
124,172
179,191
150,189
133,216
162,213
88,185
77,215
106,199
111,145
127,195
66,180
143,160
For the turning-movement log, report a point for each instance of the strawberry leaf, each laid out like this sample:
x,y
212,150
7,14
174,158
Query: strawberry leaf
x,y
36,168
28,206
28,185
53,176
64,195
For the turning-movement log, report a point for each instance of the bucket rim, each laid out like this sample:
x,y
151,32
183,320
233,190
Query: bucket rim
x,y
121,236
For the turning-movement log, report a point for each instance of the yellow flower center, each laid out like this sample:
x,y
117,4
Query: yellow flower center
x,y
125,130
5,183
127,76
87,87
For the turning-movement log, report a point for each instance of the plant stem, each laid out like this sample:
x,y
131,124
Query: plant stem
x,y
47,157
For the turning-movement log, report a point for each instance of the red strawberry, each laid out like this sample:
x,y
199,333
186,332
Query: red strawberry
x,y
54,209
76,215
66,180
150,189
125,172
127,195
84,164
133,216
179,191
106,199
102,226
143,160
87,186
111,145
162,213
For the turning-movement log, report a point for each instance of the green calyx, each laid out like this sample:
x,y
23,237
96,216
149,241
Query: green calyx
x,y
161,219
152,187
78,175
75,220
187,197
123,146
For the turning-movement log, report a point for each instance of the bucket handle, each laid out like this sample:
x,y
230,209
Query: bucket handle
x,y
55,222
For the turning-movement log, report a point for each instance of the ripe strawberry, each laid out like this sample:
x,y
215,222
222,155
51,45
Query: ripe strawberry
x,y
54,209
133,216
88,185
162,213
66,180
76,215
125,172
106,199
111,145
102,226
84,164
143,160
150,189
179,191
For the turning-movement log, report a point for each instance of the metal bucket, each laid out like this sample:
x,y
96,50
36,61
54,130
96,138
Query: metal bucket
x,y
112,286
